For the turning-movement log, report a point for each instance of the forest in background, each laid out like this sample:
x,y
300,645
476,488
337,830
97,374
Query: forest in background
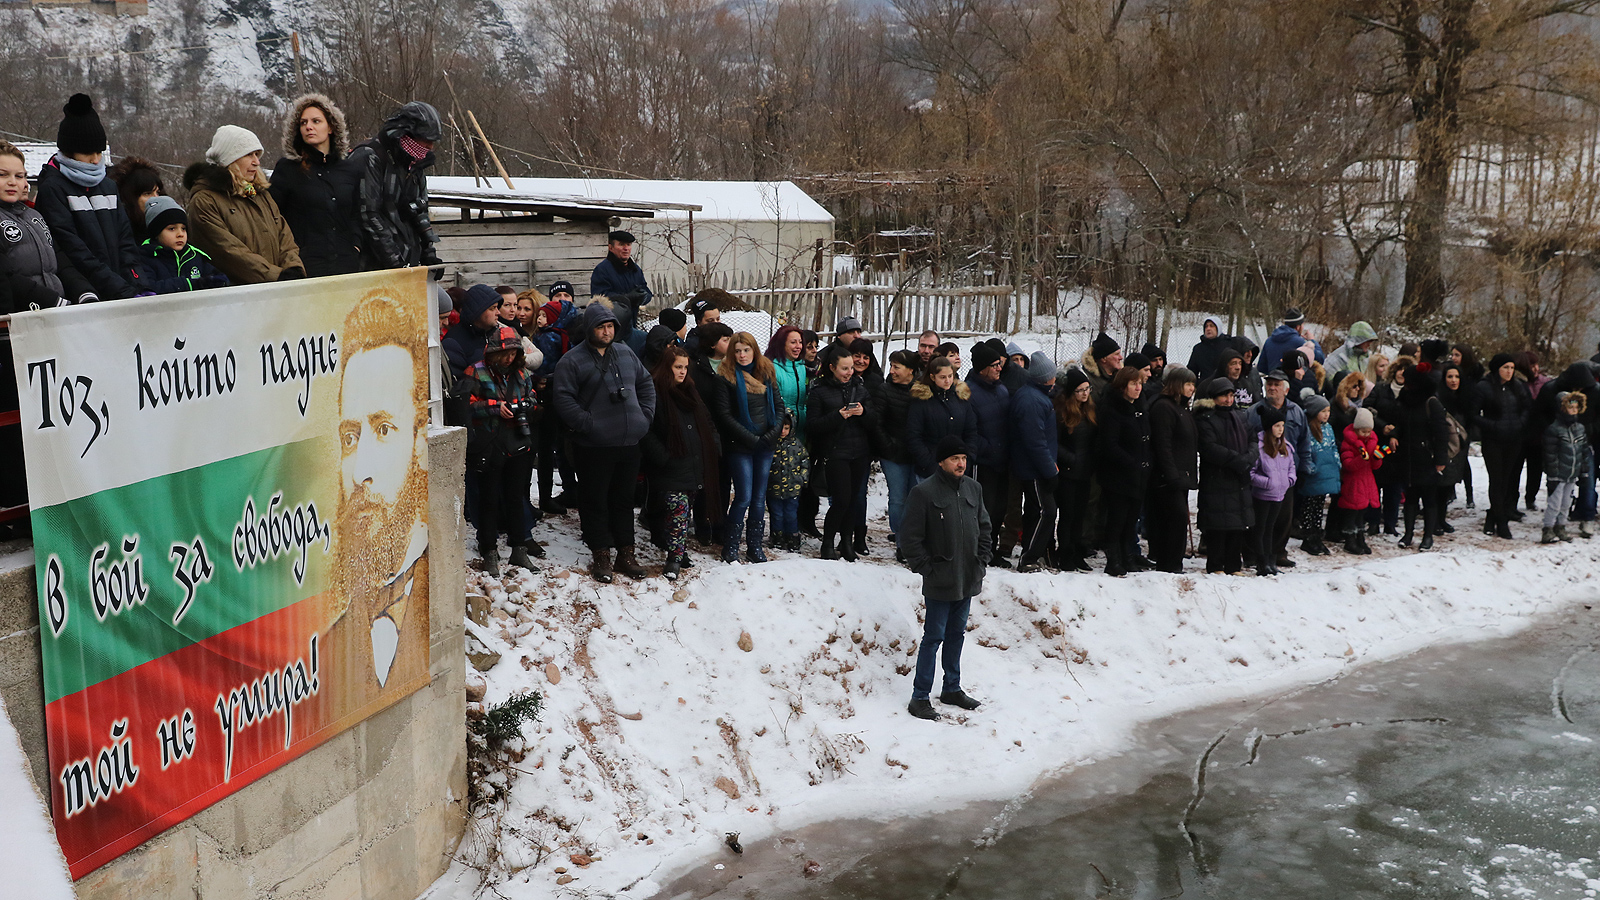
x,y
1232,155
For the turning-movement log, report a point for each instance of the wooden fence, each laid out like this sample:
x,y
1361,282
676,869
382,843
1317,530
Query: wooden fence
x,y
883,308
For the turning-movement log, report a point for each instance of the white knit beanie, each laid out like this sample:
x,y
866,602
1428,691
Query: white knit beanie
x,y
231,142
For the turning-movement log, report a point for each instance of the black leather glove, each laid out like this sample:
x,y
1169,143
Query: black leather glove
x,y
291,274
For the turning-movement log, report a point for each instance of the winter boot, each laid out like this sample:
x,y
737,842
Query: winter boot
x,y
850,545
1352,542
670,570
628,564
860,546
491,560
923,709
1502,529
730,543
753,534
600,568
1366,549
684,562
1488,524
1562,535
1411,524
1115,567
520,557
828,541
1586,530
1548,536
534,548
959,698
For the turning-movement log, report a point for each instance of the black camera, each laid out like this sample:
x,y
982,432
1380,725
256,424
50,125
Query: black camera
x,y
519,417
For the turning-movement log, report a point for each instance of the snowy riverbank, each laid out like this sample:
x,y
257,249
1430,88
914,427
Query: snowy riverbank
x,y
662,733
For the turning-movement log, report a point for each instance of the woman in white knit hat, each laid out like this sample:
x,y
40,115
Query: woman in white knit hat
x,y
232,216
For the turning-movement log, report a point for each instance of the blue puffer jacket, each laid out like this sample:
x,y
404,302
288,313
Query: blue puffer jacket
x,y
991,401
1319,463
1032,433
1283,339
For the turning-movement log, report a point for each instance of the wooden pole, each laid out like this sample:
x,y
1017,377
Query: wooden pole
x,y
299,74
490,147
455,115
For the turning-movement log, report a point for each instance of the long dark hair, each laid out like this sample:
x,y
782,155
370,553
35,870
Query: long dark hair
x,y
675,396
1069,412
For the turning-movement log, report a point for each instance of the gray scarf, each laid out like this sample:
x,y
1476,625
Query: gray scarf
x,y
81,174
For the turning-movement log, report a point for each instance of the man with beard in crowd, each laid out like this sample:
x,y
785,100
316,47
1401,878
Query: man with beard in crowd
x,y
380,641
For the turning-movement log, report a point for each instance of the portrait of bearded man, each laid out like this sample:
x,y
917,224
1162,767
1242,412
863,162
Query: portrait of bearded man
x,y
380,530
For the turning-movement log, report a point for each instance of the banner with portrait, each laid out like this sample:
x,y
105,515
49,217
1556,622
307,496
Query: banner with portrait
x,y
229,496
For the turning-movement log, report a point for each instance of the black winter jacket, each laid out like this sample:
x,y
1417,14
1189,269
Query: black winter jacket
x,y
1424,436
90,228
1228,452
1174,446
1502,411
1075,450
1032,434
737,438
463,346
833,436
945,536
935,413
894,405
1122,449
991,403
317,197
165,272
670,473
392,194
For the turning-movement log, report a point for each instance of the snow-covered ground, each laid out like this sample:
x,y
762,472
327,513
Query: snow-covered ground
x,y
758,699
29,854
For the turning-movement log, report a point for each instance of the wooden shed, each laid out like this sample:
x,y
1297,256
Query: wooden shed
x,y
497,236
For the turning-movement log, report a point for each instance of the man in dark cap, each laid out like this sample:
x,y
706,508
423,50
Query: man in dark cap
x,y
619,279
945,537
845,334
392,195
1158,361
1101,362
1288,336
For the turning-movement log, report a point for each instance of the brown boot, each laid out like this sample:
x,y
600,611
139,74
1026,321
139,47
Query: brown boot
x,y
627,565
601,567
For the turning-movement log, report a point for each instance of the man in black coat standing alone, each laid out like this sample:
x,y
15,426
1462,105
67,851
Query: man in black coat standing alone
x,y
945,537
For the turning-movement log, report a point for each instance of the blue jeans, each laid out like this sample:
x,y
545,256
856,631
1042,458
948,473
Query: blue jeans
x,y
749,474
785,514
946,623
901,478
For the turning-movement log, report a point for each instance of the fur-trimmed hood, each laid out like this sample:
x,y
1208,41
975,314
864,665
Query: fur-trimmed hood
x,y
294,147
921,390
1091,366
1564,396
212,177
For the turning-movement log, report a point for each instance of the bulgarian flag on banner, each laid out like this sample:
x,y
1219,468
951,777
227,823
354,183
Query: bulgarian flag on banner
x,y
229,494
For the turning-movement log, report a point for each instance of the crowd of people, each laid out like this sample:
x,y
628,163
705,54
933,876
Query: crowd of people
x,y
95,231
735,445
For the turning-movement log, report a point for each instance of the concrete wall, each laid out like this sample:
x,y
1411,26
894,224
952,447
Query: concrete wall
x,y
373,814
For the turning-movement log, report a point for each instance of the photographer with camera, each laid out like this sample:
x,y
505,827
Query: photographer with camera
x,y
619,279
504,414
606,397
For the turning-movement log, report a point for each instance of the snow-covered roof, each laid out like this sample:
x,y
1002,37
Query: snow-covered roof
x,y
743,201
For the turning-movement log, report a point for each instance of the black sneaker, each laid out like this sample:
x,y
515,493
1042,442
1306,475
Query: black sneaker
x,y
923,709
958,698
1000,562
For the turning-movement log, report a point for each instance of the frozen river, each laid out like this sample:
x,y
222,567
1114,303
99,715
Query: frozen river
x,y
1461,771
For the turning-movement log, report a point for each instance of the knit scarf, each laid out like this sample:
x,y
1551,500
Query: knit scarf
x,y
743,396
82,174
